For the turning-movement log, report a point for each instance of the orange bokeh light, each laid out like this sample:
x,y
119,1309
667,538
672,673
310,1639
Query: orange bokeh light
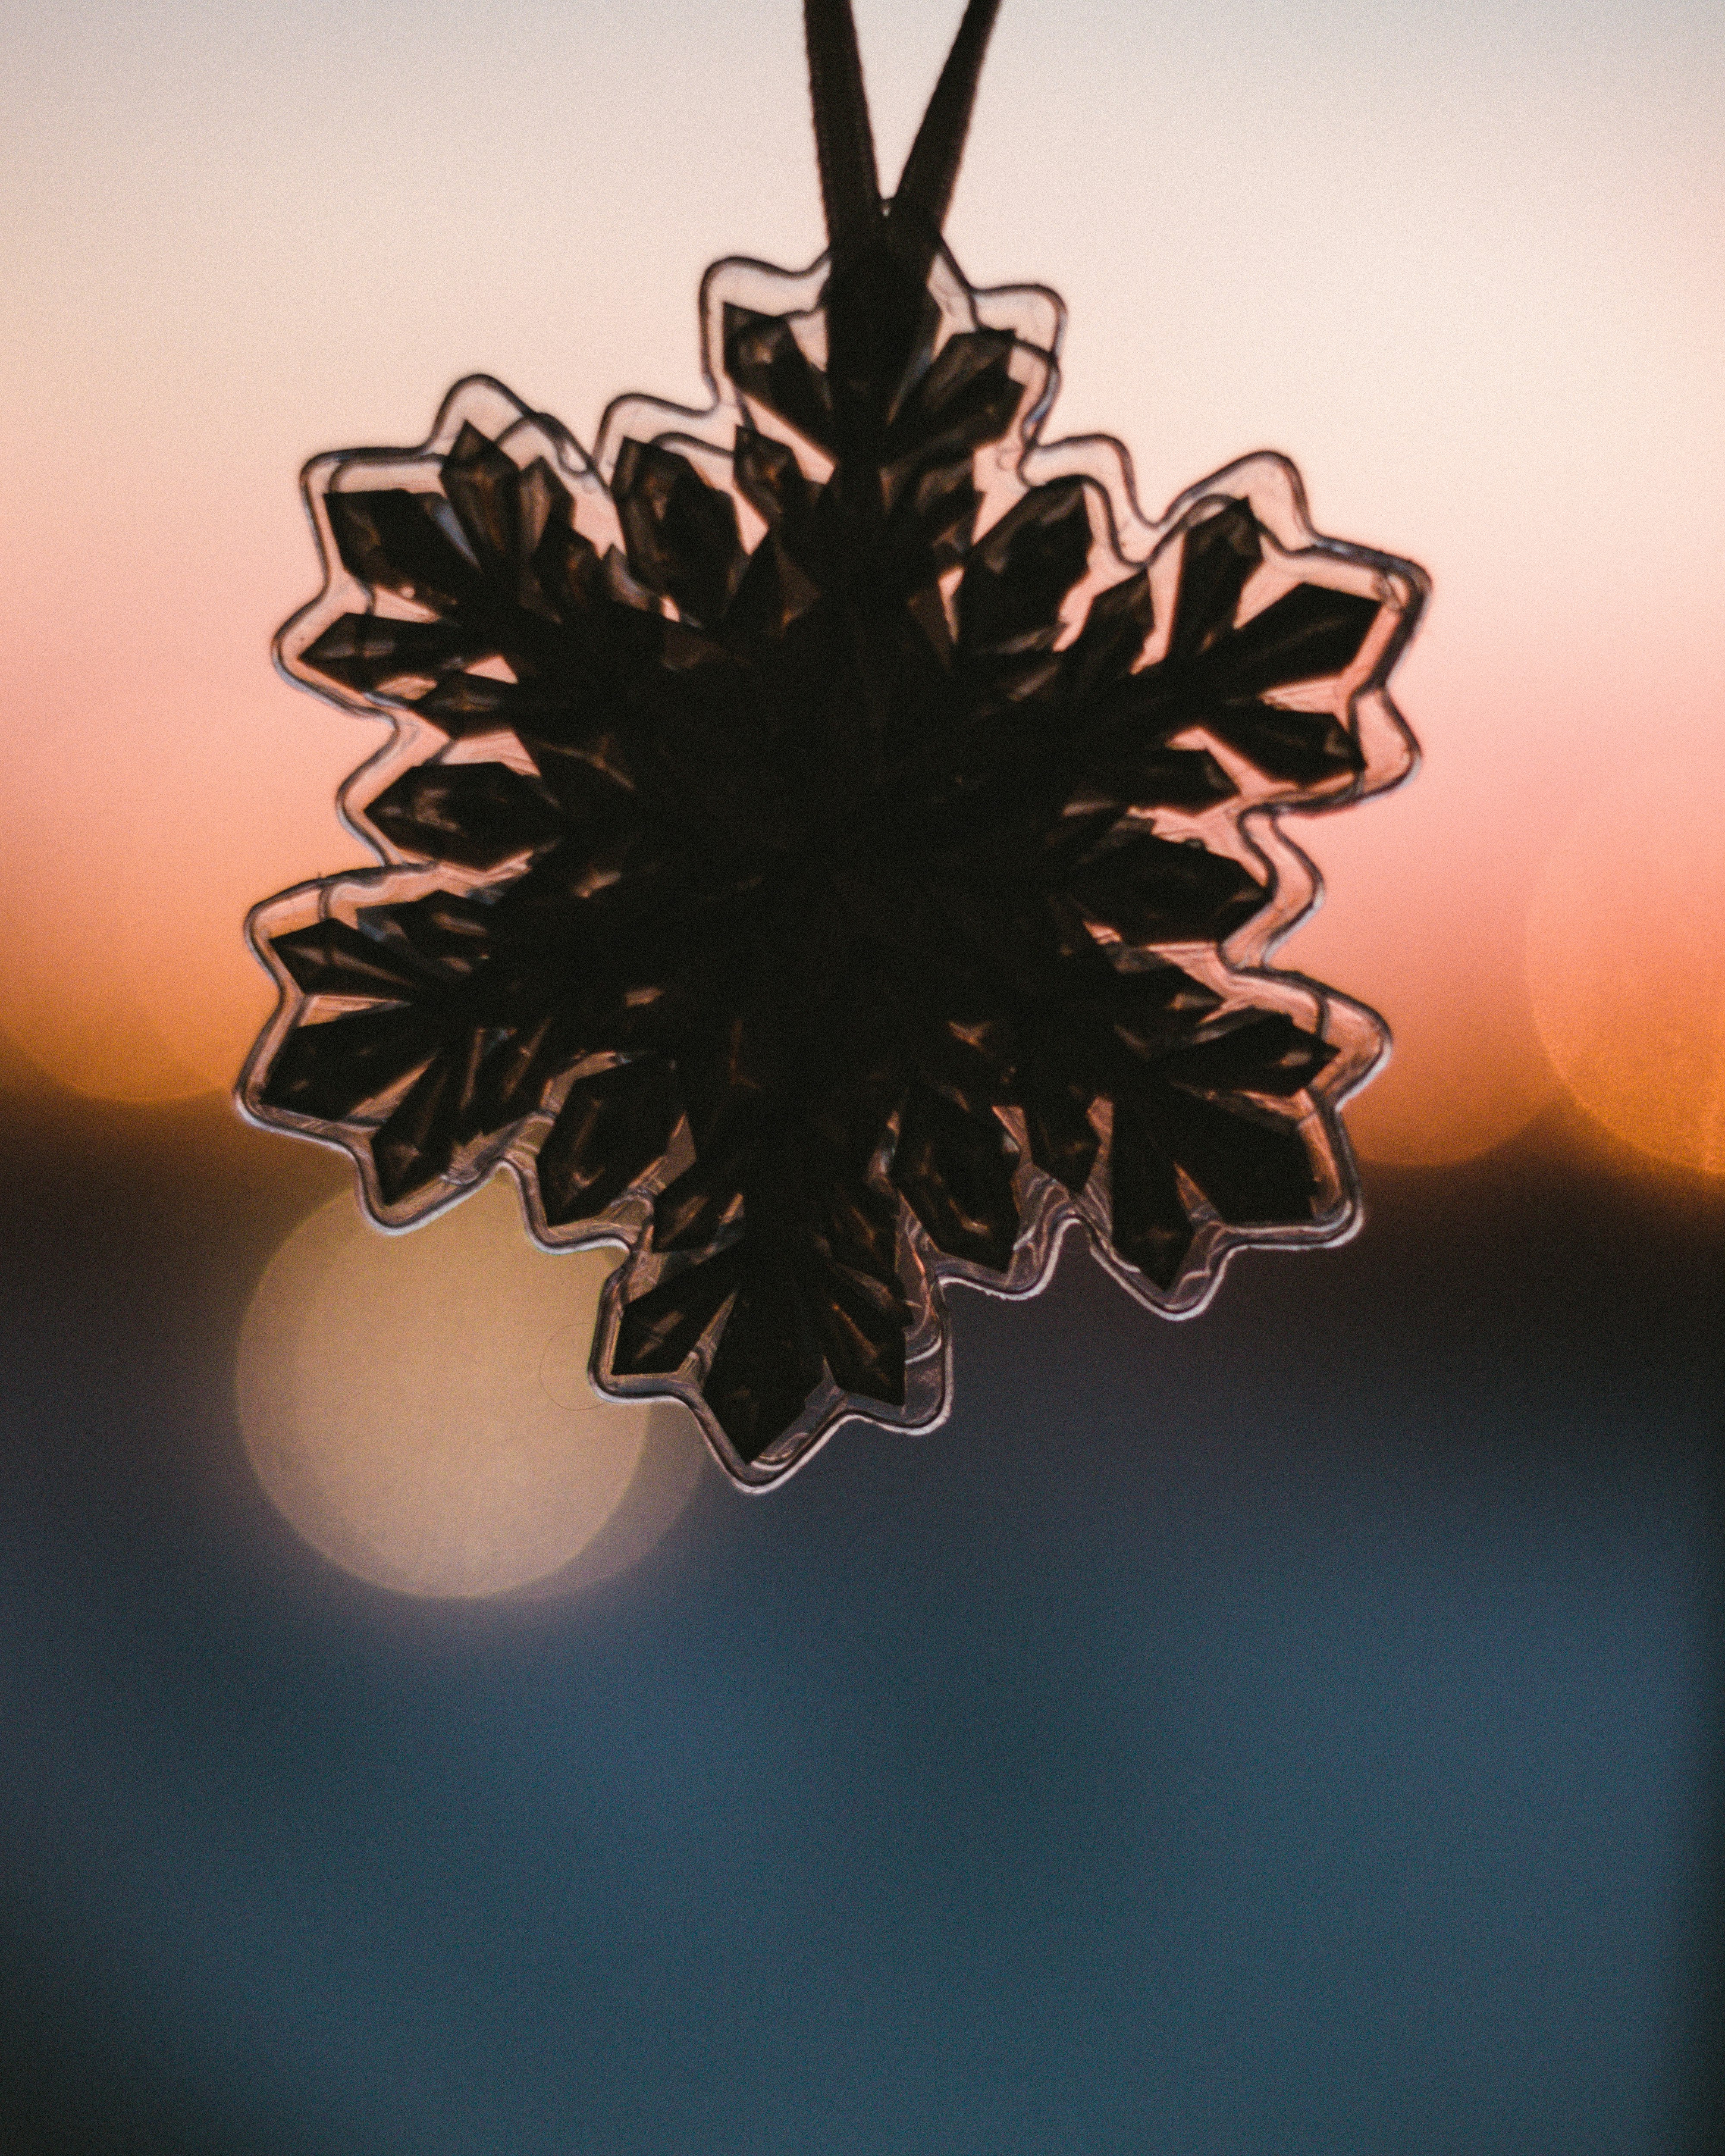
x,y
1625,957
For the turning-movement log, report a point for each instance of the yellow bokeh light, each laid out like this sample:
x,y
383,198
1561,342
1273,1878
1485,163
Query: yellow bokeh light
x,y
1626,961
415,1405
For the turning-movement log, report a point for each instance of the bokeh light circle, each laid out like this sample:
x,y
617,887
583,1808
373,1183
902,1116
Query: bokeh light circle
x,y
67,879
392,1392
1626,961
1425,902
1466,1072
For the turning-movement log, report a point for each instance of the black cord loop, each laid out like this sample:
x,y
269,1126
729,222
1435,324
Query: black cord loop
x,y
845,144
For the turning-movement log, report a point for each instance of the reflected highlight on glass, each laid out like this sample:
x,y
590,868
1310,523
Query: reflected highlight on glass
x,y
414,1406
1626,962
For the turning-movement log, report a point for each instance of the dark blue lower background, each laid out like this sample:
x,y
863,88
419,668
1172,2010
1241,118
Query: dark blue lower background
x,y
1292,1733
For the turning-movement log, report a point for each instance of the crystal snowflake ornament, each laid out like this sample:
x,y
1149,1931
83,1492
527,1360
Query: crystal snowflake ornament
x,y
831,841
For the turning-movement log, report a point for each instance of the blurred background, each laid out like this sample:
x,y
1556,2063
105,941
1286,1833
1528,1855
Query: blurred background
x,y
1297,1734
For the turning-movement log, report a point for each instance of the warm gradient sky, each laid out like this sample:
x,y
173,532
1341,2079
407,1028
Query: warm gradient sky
x,y
1461,263
1282,1735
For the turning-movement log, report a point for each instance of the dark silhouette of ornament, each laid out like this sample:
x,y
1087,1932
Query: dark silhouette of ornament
x,y
831,840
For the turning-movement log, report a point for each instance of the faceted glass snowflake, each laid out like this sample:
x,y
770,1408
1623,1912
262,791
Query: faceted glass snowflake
x,y
830,846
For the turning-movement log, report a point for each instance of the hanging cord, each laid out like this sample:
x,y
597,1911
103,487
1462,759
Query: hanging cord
x,y
844,143
925,188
